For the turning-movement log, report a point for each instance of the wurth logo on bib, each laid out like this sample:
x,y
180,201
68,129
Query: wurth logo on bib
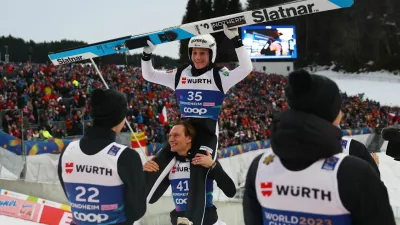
x,y
69,167
196,80
180,169
266,189
199,81
173,169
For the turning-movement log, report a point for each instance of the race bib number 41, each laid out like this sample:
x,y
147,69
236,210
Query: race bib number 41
x,y
180,189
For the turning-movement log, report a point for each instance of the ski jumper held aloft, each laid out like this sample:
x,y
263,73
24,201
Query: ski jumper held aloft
x,y
200,89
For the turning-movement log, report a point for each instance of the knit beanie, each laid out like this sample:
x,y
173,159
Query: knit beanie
x,y
313,94
108,107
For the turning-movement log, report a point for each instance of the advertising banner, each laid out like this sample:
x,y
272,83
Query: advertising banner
x,y
55,216
18,208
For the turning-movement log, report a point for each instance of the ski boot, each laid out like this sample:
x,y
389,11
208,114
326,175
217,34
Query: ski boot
x,y
184,221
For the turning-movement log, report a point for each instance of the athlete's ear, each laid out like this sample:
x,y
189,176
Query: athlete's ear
x,y
188,139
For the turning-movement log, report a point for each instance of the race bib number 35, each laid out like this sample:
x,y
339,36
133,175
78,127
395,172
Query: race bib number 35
x,y
200,103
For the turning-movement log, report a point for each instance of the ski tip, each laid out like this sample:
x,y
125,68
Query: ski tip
x,y
54,61
343,3
70,57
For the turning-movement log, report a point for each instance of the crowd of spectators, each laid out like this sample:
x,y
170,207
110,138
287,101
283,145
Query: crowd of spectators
x,y
40,101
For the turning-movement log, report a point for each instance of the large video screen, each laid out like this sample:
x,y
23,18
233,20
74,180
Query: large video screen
x,y
270,42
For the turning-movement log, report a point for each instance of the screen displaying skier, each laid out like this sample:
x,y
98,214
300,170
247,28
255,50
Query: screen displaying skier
x,y
270,42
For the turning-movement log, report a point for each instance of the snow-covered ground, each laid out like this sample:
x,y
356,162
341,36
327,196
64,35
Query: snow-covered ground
x,y
386,93
384,87
390,176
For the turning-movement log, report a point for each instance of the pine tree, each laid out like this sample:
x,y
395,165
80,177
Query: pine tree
x,y
210,3
220,7
234,6
257,4
192,15
252,4
206,11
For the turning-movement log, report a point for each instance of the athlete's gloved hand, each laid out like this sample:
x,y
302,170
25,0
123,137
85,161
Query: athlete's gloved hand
x,y
233,35
230,33
148,50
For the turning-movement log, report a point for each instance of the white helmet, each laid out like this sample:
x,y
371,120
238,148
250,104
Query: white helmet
x,y
203,41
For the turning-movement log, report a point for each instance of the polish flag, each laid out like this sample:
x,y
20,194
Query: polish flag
x,y
394,116
163,116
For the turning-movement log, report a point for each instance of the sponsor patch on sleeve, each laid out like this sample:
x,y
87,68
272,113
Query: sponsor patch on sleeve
x,y
205,148
224,71
269,159
113,150
330,163
344,143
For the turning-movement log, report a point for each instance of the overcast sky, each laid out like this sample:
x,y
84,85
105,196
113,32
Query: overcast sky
x,y
90,20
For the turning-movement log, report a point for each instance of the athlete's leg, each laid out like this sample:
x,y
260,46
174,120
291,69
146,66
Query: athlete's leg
x,y
196,202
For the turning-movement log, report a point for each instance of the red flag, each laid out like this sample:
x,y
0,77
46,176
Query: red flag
x,y
163,116
10,69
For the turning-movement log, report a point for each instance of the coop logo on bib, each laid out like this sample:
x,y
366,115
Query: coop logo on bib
x,y
199,111
180,201
91,217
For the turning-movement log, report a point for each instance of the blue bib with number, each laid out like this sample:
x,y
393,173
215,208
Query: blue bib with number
x,y
205,104
180,178
96,204
310,196
271,216
92,184
199,96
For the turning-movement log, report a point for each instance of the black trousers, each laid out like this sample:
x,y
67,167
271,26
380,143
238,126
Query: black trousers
x,y
206,140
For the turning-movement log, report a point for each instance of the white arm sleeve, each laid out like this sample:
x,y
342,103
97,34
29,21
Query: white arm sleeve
x,y
159,77
231,78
